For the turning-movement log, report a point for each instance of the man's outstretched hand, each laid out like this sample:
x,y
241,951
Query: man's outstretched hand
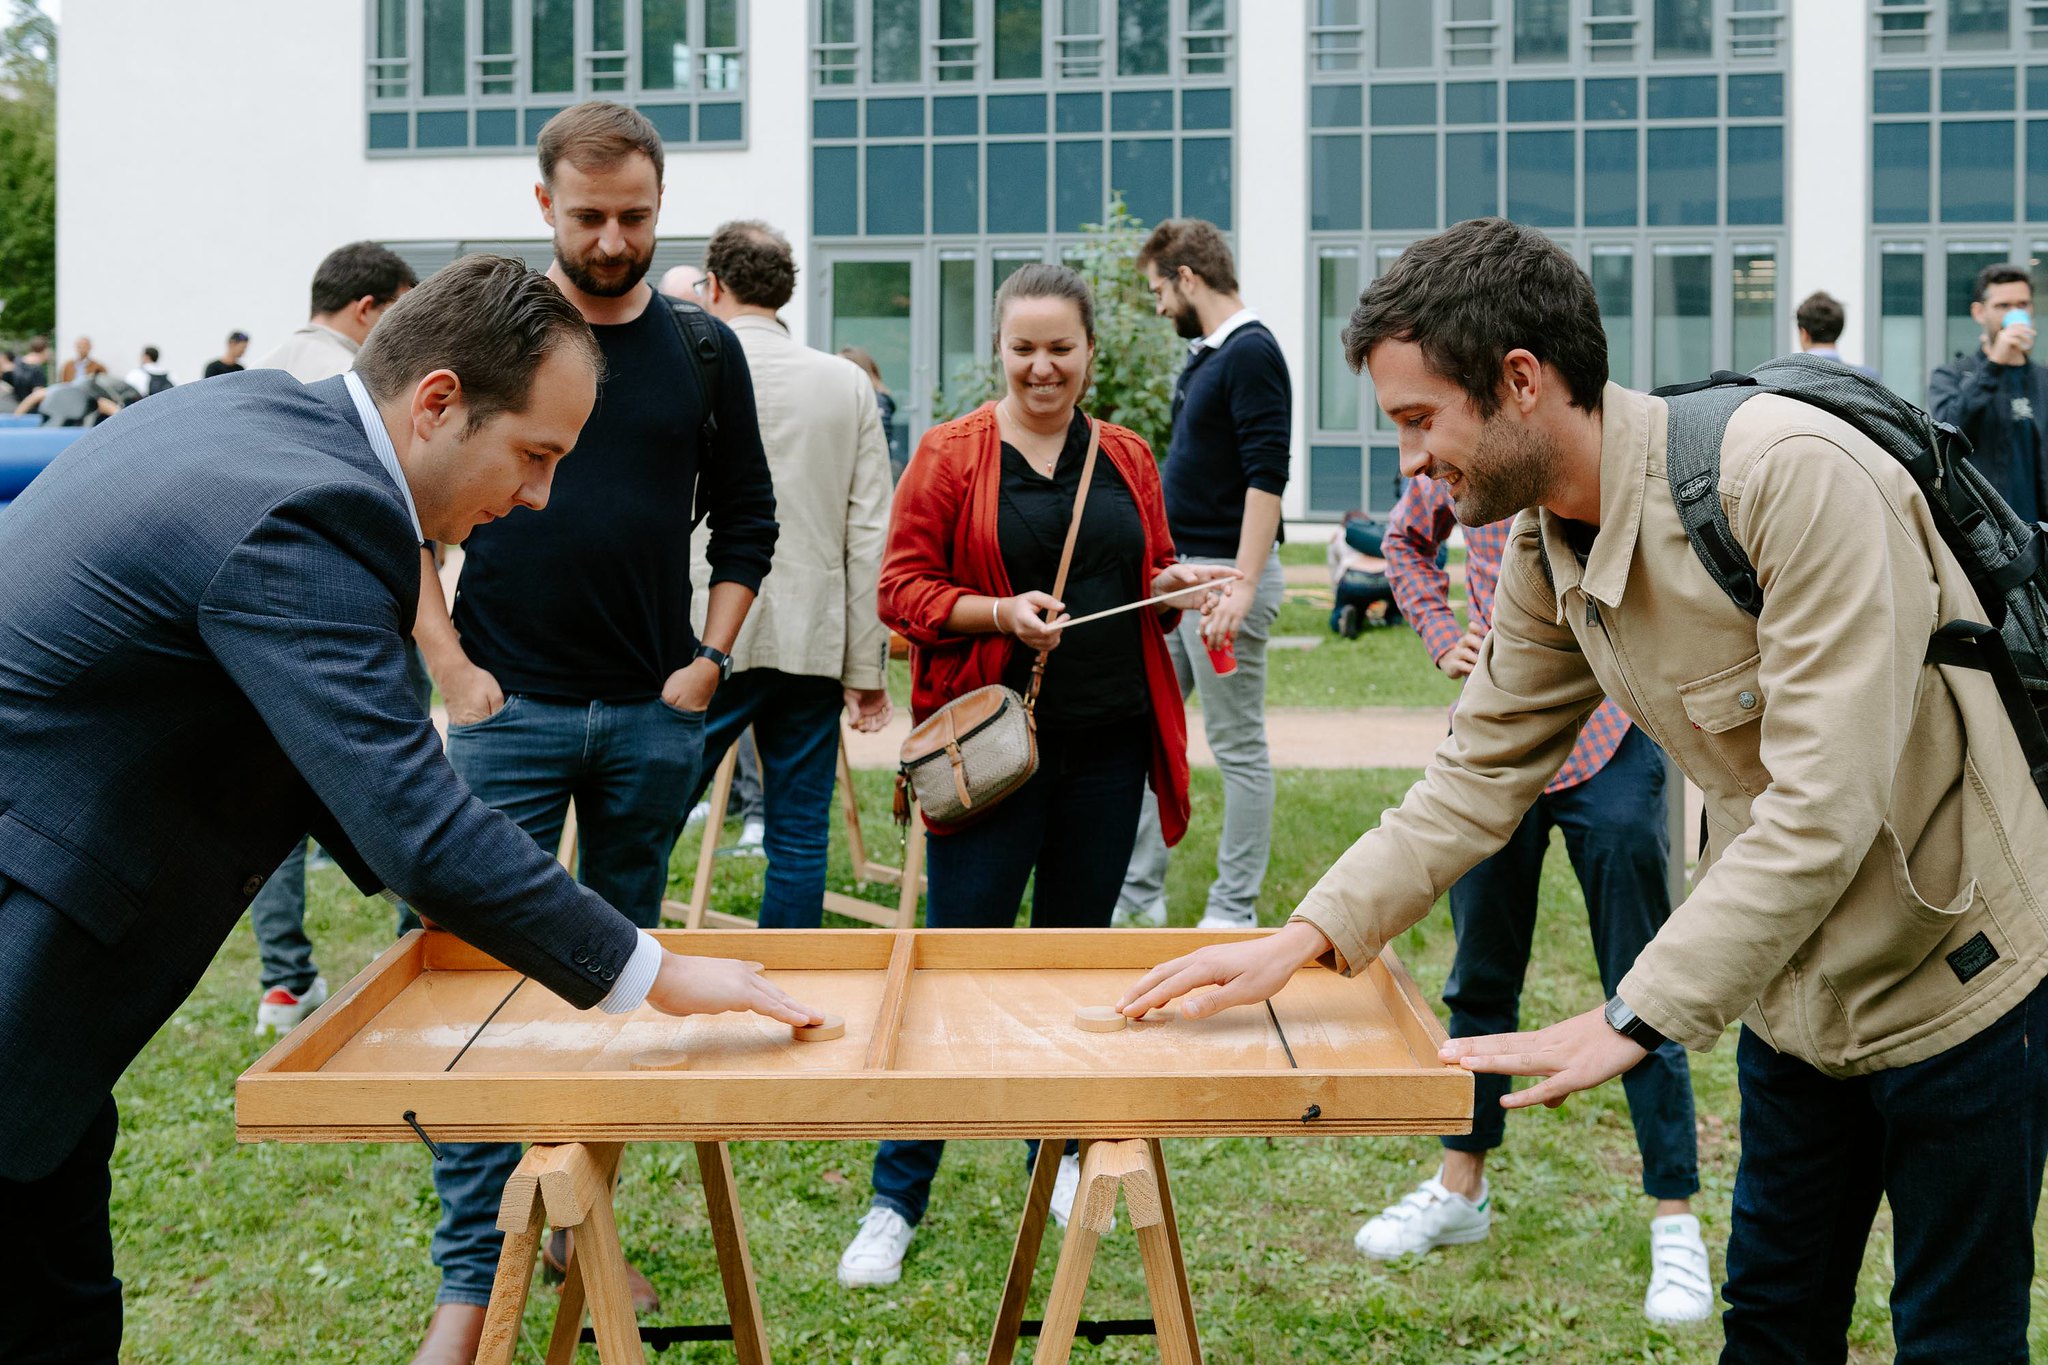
x,y
1577,1054
1244,973
713,985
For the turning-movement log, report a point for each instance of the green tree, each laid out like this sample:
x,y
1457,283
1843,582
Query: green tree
x,y
1136,353
28,172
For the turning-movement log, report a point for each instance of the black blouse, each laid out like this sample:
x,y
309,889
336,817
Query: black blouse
x,y
1097,674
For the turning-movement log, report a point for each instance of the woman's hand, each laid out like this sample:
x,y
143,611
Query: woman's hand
x,y
713,985
1021,616
1183,580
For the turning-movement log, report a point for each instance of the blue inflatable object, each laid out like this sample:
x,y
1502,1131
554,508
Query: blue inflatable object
x,y
23,419
25,453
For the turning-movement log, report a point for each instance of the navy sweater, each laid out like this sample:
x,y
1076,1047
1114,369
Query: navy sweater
x,y
1232,408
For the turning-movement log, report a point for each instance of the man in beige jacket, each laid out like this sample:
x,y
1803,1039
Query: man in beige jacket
x,y
813,643
1869,903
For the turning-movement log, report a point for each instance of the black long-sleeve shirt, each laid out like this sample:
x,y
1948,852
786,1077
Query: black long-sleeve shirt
x,y
589,599
2003,409
1232,410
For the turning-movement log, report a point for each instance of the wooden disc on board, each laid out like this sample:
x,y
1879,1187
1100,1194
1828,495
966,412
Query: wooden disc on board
x,y
1100,1019
662,1059
833,1027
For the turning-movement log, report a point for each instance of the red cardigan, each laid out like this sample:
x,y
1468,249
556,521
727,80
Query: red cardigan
x,y
943,546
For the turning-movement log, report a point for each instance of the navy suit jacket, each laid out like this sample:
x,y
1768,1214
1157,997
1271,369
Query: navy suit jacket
x,y
204,607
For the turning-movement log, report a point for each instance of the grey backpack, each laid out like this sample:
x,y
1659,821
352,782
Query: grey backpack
x,y
2001,555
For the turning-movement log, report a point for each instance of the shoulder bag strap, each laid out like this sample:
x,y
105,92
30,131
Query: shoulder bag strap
x,y
1059,582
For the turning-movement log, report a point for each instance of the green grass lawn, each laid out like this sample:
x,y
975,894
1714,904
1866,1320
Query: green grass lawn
x,y
319,1253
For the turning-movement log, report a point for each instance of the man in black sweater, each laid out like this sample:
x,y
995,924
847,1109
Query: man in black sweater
x,y
1224,471
569,667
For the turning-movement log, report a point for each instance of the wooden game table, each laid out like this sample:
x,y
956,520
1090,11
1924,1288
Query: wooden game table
x,y
949,1034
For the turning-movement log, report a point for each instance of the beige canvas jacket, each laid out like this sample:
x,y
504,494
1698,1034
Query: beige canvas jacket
x,y
1876,851
823,436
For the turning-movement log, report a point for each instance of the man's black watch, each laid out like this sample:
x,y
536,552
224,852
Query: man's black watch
x,y
1624,1021
717,656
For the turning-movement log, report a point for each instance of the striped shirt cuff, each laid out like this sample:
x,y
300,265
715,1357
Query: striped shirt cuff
x,y
629,992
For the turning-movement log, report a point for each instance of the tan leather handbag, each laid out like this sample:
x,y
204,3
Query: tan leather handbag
x,y
981,746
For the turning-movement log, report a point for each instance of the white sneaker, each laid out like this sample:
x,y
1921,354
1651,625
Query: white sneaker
x,y
1681,1286
752,832
279,1011
1430,1216
699,813
1212,920
875,1256
1151,916
1065,1186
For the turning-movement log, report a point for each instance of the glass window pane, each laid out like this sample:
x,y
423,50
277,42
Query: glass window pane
x,y
835,181
898,38
2037,172
1682,312
1336,295
871,310
497,78
1756,174
1960,332
391,28
1902,319
956,187
2037,266
1756,308
444,51
664,44
607,25
1542,30
1143,170
1471,176
1141,34
956,18
895,185
959,357
1682,176
1899,174
1900,92
1383,259
1542,179
554,45
1976,172
1979,90
1336,194
1404,180
1336,478
1614,285
1401,35
1016,186
1611,177
1684,28
1205,179
1077,184
1020,40
721,23
1974,25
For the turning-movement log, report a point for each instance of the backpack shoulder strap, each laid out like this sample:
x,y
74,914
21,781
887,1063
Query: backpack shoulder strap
x,y
707,365
1699,415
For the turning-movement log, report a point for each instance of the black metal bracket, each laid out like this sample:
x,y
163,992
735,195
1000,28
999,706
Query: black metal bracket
x,y
1095,1333
661,1338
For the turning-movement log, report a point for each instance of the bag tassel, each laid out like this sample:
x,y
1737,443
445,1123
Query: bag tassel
x,y
901,808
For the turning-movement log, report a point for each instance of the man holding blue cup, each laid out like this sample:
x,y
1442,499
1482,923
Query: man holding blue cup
x,y
1998,397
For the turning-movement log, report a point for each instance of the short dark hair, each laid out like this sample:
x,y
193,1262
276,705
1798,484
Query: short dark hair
x,y
753,260
39,343
1195,243
151,354
2005,272
596,136
1474,292
360,270
490,319
1044,280
238,335
1821,317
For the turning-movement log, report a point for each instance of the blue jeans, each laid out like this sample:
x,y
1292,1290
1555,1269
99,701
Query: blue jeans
x,y
1073,824
1955,1142
796,732
1614,830
631,767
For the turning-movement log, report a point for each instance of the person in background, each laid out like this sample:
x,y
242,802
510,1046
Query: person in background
x,y
1608,800
230,360
1821,319
684,282
813,645
352,286
899,439
81,364
30,371
1225,469
974,547
1997,396
151,376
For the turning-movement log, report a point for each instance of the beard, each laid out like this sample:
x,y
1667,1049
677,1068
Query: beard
x,y
1511,468
1186,323
583,270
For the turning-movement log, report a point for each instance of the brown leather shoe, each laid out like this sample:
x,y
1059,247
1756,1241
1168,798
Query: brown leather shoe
x,y
554,1259
453,1334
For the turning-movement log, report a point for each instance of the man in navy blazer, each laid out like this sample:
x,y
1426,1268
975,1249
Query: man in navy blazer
x,y
202,659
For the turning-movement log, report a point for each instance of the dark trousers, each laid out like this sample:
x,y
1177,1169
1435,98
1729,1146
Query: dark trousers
x,y
796,732
1073,824
59,1301
1614,830
1955,1142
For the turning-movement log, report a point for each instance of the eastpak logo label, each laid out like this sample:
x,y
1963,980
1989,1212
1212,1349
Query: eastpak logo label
x,y
1972,958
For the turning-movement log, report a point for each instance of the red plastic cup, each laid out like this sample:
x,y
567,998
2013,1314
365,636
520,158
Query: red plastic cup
x,y
1223,657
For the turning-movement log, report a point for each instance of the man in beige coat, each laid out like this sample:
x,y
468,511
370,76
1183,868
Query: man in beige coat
x,y
813,643
1869,902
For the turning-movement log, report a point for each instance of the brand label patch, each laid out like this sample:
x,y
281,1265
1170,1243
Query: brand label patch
x,y
1972,958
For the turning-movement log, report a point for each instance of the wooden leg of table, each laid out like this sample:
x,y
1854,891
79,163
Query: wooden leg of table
x,y
849,810
1171,1228
714,825
515,1268
735,1265
1002,1346
576,1182
611,1297
1165,1282
913,873
1103,1167
568,1328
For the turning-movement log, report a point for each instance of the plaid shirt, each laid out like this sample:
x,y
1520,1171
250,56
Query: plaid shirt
x,y
1420,524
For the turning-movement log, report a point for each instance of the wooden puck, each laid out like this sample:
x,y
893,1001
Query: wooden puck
x,y
1100,1019
833,1027
662,1059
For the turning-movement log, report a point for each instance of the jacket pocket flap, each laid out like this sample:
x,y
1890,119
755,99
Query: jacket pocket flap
x,y
1722,701
87,894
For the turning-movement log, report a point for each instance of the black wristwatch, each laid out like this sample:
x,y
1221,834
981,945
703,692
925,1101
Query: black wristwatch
x,y
1624,1021
717,656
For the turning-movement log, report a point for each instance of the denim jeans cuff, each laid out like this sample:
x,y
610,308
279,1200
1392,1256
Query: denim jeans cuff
x,y
463,1294
1671,1184
899,1208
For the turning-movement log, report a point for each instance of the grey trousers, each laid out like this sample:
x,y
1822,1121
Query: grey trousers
x,y
1234,717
